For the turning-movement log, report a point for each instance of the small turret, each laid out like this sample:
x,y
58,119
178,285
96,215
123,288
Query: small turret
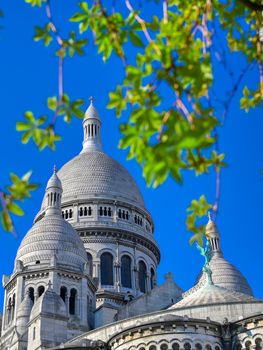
x,y
92,129
213,236
53,195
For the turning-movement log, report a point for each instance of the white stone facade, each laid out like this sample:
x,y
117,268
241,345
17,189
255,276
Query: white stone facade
x,y
85,273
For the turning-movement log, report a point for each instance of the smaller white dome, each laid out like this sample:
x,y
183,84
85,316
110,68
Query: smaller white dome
x,y
50,236
52,239
210,294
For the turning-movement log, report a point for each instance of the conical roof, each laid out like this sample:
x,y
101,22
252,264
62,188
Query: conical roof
x,y
224,274
49,303
210,294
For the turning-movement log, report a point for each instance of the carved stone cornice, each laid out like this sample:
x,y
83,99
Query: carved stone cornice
x,y
93,236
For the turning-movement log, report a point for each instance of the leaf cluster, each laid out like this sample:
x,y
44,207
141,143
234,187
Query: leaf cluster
x,y
196,211
17,191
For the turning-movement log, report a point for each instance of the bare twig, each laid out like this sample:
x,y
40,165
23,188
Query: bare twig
x,y
139,20
232,93
60,42
165,11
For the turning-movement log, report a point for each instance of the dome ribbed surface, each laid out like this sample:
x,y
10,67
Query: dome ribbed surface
x,y
226,275
211,294
96,175
50,236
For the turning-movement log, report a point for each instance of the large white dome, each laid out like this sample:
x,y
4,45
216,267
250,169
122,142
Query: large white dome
x,y
93,175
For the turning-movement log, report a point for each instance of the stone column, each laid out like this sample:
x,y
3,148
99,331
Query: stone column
x,y
75,213
148,285
67,301
96,271
95,211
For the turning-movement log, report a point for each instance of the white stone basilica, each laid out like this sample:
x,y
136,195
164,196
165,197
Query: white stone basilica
x,y
85,273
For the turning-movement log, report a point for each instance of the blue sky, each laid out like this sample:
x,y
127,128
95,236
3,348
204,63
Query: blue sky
x,y
28,74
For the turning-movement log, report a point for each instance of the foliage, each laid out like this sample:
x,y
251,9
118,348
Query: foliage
x,y
17,191
197,210
173,53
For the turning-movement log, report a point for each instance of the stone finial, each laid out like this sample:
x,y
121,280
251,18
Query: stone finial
x,y
91,99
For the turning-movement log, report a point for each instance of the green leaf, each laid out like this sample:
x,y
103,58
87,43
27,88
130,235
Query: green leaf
x,y
135,39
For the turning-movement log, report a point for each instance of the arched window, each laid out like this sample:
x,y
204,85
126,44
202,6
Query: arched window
x,y
105,211
90,264
101,211
198,346
90,211
109,211
142,276
70,213
187,346
127,215
66,214
175,346
238,348
135,219
80,211
106,265
9,307
152,347
31,293
85,211
126,279
119,213
152,278
34,333
13,307
40,290
63,293
164,346
72,301
63,214
248,345
259,344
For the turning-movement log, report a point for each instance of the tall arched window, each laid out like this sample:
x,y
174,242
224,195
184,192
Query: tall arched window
x,y
126,278
187,346
259,344
152,278
142,276
31,293
63,293
13,307
9,308
40,290
106,266
72,301
90,264
248,345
